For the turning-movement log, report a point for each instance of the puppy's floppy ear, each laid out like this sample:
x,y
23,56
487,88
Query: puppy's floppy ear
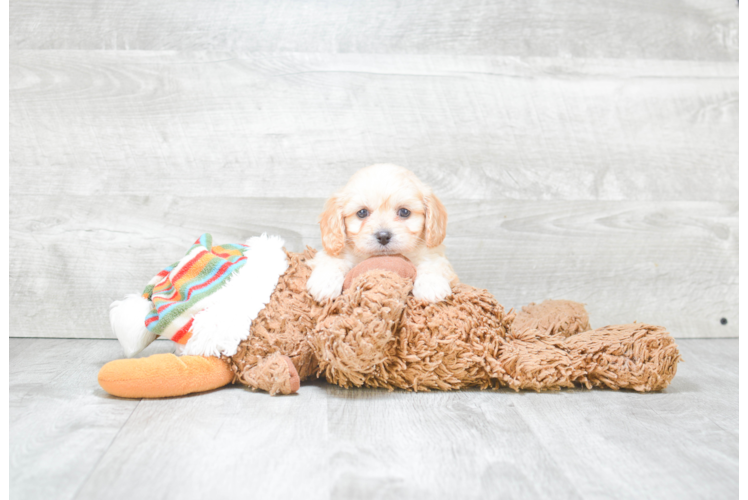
x,y
332,225
436,220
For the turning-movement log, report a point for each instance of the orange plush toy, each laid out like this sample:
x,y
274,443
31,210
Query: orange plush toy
x,y
375,334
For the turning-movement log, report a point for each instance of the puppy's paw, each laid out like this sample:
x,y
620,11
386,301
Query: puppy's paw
x,y
325,283
431,287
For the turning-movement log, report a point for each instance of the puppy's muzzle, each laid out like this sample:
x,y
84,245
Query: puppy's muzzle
x,y
383,237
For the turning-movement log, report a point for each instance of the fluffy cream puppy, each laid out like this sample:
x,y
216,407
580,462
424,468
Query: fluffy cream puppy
x,y
383,210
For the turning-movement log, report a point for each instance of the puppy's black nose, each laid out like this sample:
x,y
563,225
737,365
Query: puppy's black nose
x,y
383,237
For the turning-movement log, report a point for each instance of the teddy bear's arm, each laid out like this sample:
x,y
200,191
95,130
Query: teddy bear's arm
x,y
356,332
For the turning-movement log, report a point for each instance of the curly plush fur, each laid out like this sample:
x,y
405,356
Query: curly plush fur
x,y
283,325
376,334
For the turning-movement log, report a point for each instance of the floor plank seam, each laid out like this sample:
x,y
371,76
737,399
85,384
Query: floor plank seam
x,y
103,454
548,452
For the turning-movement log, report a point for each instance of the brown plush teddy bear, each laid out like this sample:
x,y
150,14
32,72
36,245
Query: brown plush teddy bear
x,y
376,334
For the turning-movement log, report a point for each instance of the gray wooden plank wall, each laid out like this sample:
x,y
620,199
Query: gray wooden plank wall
x,y
742,58
585,150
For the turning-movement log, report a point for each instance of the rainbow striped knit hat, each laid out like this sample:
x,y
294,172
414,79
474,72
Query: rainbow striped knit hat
x,y
182,290
206,301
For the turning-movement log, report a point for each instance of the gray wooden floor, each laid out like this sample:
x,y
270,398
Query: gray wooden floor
x,y
69,439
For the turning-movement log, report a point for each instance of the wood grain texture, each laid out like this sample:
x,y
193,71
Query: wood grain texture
x,y
668,263
487,450
742,57
666,29
298,125
228,443
69,440
585,150
60,424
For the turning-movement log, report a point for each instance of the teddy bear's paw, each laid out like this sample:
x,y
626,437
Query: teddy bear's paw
x,y
431,287
275,374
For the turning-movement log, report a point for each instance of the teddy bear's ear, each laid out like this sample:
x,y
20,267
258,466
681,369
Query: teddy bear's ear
x,y
436,220
332,225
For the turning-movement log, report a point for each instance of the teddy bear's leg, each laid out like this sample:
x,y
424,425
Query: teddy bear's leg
x,y
552,317
534,365
164,375
532,356
634,356
274,374
355,333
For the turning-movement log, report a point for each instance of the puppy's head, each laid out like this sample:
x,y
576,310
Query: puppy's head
x,y
384,209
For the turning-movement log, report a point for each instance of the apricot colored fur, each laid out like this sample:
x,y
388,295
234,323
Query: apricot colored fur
x,y
376,334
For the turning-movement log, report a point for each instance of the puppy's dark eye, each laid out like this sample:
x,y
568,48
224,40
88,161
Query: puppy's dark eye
x,y
363,213
404,213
